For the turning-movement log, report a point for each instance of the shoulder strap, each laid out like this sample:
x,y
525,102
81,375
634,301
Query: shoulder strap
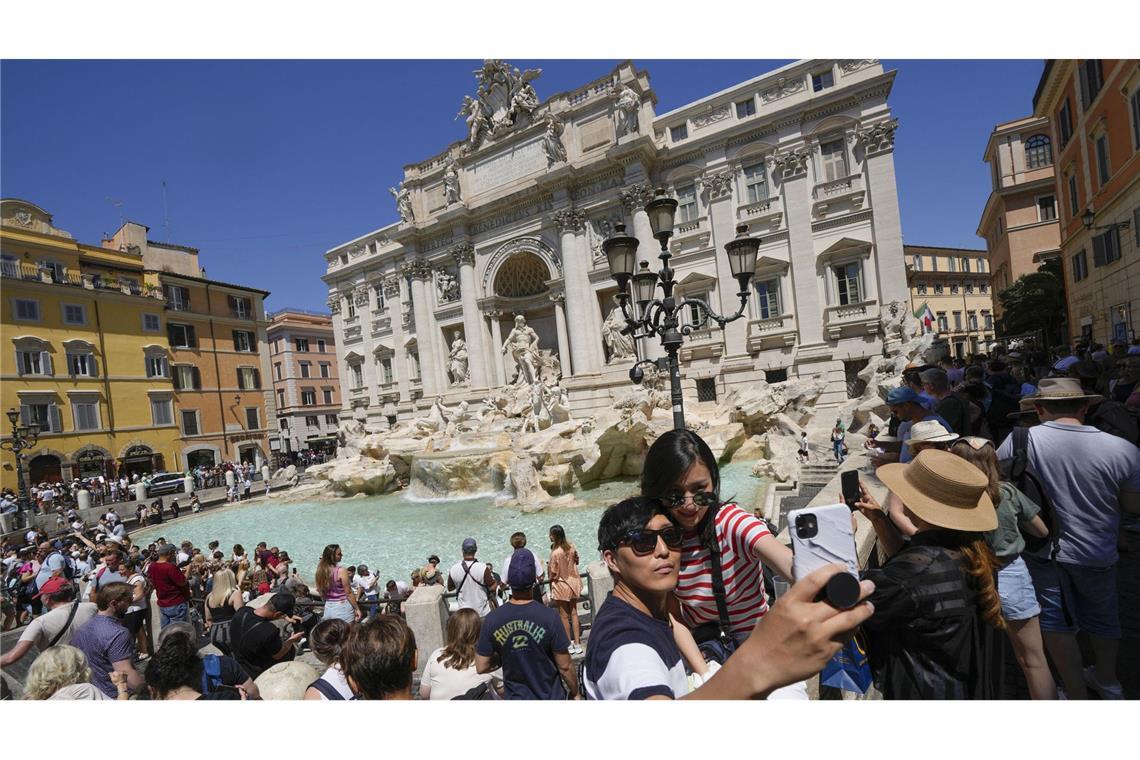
x,y
211,673
708,538
327,689
1020,452
70,617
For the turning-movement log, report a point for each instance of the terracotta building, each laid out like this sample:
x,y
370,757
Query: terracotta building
x,y
306,384
1093,108
1019,222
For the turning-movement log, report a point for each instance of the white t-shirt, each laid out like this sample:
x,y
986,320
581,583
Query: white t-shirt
x,y
472,593
366,583
447,683
336,679
137,580
44,628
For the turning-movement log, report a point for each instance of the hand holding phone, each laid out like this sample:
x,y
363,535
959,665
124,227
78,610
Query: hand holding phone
x,y
824,536
849,481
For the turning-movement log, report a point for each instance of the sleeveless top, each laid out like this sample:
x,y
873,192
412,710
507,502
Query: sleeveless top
x,y
223,613
335,592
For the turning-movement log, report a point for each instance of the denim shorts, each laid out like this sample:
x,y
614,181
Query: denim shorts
x,y
1018,598
1087,594
341,610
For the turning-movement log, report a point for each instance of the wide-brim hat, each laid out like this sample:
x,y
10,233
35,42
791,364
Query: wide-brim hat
x,y
1062,389
1024,409
944,490
930,431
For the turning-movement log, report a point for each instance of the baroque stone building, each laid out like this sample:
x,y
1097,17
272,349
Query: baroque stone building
x,y
510,221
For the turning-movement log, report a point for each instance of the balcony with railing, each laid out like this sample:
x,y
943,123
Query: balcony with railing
x,y
828,197
31,271
861,317
764,213
772,332
703,343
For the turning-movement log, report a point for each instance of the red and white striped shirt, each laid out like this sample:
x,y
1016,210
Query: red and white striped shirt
x,y
737,534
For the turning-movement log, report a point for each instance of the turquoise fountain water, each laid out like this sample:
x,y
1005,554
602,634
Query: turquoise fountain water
x,y
394,534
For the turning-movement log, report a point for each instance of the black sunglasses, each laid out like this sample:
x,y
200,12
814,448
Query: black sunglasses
x,y
643,541
676,499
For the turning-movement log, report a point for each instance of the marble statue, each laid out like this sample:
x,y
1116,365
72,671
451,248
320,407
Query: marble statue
x,y
457,361
451,182
552,141
522,343
503,100
476,122
620,345
403,198
628,105
447,286
435,422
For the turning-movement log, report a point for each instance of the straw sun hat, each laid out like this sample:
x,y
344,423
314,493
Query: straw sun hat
x,y
1062,389
944,490
929,431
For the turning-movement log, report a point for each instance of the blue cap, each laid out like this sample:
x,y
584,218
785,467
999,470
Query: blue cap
x,y
902,395
469,546
521,573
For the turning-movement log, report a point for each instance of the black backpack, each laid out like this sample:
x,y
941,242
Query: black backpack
x,y
1016,471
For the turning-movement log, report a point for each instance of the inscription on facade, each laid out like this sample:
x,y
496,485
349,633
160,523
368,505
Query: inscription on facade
x,y
508,166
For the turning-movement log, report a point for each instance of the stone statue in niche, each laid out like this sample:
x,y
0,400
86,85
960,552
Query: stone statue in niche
x,y
597,230
522,343
552,141
447,286
620,345
451,182
628,106
457,361
403,198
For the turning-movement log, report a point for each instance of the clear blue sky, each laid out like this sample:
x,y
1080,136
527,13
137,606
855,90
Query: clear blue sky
x,y
270,163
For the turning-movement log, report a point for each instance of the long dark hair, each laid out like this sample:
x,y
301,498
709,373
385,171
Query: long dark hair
x,y
324,568
668,459
174,665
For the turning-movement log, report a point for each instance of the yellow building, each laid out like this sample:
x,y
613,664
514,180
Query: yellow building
x,y
952,287
85,353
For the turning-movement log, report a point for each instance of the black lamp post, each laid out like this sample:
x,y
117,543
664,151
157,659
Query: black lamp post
x,y
661,316
1088,219
23,437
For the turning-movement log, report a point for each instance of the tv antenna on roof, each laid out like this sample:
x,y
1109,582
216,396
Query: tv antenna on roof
x,y
119,206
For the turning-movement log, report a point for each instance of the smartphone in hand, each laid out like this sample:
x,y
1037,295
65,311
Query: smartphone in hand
x,y
849,481
824,536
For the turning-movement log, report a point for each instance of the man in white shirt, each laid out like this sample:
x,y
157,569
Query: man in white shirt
x,y
55,627
473,581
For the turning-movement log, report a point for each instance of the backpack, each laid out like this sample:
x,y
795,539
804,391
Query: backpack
x,y
1001,406
1016,471
68,568
211,673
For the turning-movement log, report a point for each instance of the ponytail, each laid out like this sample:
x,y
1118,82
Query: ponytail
x,y
982,567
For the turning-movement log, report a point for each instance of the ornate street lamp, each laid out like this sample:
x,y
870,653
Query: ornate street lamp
x,y
1088,219
651,316
23,437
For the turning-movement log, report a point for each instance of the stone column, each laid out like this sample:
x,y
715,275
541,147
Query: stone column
x,y
879,178
400,370
464,255
420,272
576,282
722,220
791,168
496,351
633,200
563,340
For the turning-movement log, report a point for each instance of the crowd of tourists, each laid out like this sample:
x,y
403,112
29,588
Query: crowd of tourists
x,y
1007,487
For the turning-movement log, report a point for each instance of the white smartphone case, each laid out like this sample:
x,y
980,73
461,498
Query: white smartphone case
x,y
834,543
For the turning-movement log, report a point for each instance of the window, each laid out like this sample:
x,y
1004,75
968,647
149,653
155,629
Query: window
x,y
308,397
331,420
252,418
276,345
917,263
933,263
1046,208
988,320
679,133
240,307
1134,107
968,289
687,203
321,346
1103,169
1065,122
357,375
283,423
181,336
305,369
952,263
74,314
942,326
972,320
1001,226
755,183
822,81
965,264
186,378
920,289
1106,247
160,411
1080,266
80,364
981,265
44,413
277,370
706,389
325,369
85,415
1074,199
190,422
414,356
350,311
984,288
1038,152
151,323
327,393
280,398
834,160
847,283
27,310
244,340
249,378
177,297
957,320
1092,79
775,376
311,421
939,289
694,315
302,344
745,108
954,289
157,366
378,289
768,298
386,371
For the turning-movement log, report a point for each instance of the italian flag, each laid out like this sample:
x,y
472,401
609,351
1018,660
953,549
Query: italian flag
x,y
924,315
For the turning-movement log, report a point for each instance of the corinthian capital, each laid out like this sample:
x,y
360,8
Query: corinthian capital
x,y
418,269
392,287
569,219
464,253
791,163
636,197
334,303
718,185
878,137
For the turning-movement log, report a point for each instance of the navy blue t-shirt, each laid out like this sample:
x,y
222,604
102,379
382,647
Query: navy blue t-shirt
x,y
632,655
525,636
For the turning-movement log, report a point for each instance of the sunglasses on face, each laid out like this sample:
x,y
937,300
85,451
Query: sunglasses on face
x,y
643,541
700,499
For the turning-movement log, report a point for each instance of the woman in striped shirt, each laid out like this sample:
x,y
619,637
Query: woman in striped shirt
x,y
681,471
